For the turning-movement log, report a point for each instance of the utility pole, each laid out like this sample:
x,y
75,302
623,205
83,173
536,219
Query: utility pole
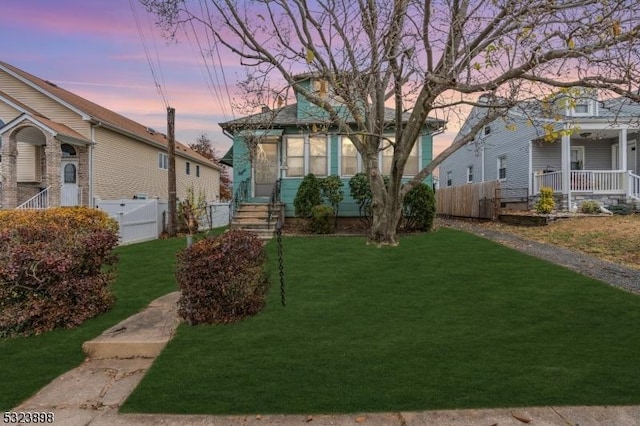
x,y
171,154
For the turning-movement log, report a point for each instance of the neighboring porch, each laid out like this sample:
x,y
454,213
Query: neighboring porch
x,y
587,166
42,167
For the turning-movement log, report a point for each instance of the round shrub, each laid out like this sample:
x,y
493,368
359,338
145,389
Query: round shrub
x,y
55,268
308,196
419,208
590,207
322,220
222,278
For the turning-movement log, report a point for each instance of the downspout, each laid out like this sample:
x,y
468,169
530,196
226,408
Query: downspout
x,y
482,160
91,153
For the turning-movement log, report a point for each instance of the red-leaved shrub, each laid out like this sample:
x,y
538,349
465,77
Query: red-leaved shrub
x,y
222,278
55,268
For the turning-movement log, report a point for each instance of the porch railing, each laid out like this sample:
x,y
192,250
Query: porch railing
x,y
241,195
548,180
38,201
595,181
634,186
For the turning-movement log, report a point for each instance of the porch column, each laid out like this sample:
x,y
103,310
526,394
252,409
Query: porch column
x,y
622,152
9,172
565,156
54,156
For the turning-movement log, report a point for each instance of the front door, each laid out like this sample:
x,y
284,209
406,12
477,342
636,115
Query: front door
x,y
632,157
69,179
266,169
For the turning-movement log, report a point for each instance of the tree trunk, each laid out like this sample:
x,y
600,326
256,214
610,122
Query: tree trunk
x,y
384,224
386,209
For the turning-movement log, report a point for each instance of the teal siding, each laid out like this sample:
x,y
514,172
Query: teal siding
x,y
289,187
241,164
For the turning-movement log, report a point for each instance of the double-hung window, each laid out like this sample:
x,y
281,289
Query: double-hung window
x,y
411,167
349,157
163,161
469,174
502,167
307,155
318,160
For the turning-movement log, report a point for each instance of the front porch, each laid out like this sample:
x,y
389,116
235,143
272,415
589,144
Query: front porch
x,y
598,183
42,167
597,164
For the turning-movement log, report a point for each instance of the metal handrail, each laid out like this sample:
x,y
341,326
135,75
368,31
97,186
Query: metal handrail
x,y
241,195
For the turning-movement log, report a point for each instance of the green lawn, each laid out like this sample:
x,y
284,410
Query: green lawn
x,y
145,272
445,320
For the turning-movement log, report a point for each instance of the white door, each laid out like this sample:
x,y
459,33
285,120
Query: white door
x,y
69,179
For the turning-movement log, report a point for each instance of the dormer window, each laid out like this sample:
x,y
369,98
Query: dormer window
x,y
583,107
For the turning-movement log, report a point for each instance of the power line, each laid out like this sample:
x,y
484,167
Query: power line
x,y
145,47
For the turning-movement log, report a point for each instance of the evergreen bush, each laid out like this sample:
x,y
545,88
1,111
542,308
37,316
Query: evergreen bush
x,y
545,203
322,220
308,196
419,208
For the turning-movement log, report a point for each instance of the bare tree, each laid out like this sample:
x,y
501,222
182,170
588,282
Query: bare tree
x,y
421,58
203,146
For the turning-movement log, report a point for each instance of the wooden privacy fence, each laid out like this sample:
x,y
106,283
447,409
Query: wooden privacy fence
x,y
476,200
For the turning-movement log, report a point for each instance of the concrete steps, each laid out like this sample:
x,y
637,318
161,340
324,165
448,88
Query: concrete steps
x,y
142,335
254,217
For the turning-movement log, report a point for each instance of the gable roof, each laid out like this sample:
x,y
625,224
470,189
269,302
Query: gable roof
x,y
95,113
61,131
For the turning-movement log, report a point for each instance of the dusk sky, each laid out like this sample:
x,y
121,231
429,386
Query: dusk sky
x,y
94,49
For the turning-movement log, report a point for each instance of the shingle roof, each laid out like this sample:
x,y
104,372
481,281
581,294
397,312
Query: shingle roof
x,y
287,116
95,112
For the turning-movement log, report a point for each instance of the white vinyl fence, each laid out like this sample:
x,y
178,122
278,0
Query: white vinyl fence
x,y
144,220
139,220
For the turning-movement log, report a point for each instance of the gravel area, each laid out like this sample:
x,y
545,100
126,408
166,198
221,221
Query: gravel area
x,y
608,272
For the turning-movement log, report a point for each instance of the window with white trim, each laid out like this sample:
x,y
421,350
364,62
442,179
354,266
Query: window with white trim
x,y
295,156
449,177
163,161
469,174
412,165
187,168
318,160
577,158
307,155
349,164
502,167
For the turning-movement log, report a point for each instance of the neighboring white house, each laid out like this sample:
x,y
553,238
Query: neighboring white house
x,y
58,149
583,148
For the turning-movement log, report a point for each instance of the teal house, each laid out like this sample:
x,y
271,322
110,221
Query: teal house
x,y
273,150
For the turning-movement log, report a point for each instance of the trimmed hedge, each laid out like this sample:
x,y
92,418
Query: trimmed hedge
x,y
222,278
56,267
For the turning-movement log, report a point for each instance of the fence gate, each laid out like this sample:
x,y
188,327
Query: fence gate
x,y
477,200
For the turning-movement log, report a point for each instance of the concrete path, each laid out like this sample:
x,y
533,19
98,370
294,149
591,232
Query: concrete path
x,y
118,359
